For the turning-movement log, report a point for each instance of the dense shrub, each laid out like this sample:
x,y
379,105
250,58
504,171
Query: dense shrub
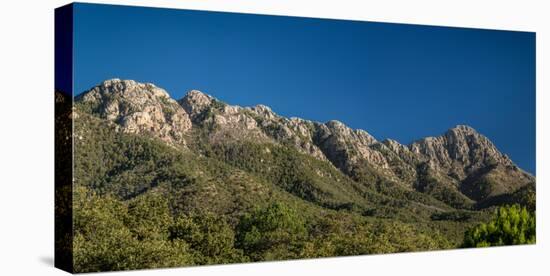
x,y
510,225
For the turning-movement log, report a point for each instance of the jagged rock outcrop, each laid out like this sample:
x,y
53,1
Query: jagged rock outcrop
x,y
346,147
460,151
300,134
258,123
223,122
464,158
138,108
296,132
402,151
196,102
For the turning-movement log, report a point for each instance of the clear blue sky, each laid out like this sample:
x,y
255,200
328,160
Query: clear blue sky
x,y
392,80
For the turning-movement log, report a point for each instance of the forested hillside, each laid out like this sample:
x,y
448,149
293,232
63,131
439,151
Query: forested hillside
x,y
160,182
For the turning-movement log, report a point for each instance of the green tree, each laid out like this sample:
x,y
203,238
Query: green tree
x,y
149,217
104,240
209,236
344,235
273,232
511,225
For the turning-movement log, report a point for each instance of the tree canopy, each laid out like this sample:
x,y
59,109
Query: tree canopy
x,y
511,225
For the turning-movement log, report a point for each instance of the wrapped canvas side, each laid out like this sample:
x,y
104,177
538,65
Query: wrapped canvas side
x,y
63,138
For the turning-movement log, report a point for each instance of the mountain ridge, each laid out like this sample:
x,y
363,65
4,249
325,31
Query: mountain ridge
x,y
459,161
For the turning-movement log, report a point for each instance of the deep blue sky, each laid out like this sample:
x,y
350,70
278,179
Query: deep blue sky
x,y
393,80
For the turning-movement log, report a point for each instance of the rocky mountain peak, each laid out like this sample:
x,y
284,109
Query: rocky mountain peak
x,y
138,108
337,126
131,88
264,111
464,129
195,102
461,150
339,129
263,108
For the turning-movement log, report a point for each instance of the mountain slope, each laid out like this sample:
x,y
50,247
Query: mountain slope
x,y
460,167
191,181
232,180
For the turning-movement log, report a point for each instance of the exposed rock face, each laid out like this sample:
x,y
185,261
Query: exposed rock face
x,y
458,161
461,162
232,123
460,151
346,147
138,108
401,161
300,133
264,112
224,122
257,124
195,102
463,158
295,132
